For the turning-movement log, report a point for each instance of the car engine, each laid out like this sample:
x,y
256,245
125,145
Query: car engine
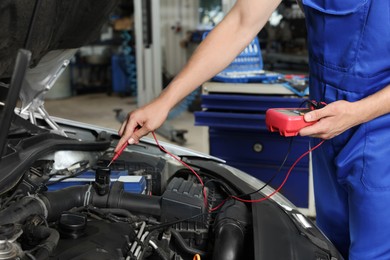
x,y
142,207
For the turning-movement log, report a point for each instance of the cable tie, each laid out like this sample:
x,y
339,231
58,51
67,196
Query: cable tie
x,y
87,196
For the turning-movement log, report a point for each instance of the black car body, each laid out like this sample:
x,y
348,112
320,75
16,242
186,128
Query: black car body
x,y
59,200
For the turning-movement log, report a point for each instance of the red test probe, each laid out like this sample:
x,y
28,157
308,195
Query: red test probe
x,y
118,153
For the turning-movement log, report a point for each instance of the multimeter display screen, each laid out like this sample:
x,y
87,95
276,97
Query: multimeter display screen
x,y
294,112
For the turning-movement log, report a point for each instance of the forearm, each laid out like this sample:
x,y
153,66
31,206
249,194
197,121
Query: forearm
x,y
221,46
374,105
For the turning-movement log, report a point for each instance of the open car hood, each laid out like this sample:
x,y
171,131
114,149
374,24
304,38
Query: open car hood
x,y
41,26
50,32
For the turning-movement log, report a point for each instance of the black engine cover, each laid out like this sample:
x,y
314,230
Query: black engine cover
x,y
101,241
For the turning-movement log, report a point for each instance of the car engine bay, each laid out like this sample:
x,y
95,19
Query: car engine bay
x,y
69,205
60,200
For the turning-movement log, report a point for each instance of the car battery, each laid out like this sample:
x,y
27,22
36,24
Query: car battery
x,y
131,183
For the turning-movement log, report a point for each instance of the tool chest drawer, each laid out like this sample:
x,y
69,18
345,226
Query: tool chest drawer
x,y
254,146
237,133
229,120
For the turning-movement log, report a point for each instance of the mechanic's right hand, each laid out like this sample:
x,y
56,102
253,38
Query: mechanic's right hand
x,y
333,119
141,122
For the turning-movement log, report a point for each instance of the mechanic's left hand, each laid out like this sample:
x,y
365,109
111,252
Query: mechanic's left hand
x,y
333,119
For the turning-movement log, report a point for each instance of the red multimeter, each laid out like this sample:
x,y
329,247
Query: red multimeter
x,y
286,121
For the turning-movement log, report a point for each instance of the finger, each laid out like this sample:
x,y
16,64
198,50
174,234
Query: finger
x,y
137,135
122,128
305,131
327,111
120,143
128,131
312,116
313,130
322,136
317,114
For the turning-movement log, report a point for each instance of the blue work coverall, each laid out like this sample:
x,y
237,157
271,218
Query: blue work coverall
x,y
349,53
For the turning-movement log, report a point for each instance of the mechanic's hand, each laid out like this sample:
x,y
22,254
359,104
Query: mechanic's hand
x,y
141,122
333,119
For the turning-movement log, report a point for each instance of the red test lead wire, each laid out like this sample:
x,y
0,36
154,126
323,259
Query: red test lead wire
x,y
284,181
187,166
275,191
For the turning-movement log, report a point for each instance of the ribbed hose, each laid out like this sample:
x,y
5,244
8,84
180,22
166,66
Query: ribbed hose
x,y
52,204
78,196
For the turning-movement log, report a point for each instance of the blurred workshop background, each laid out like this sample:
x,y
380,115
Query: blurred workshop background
x,y
104,79
144,44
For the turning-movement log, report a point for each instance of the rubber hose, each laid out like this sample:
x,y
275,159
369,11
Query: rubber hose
x,y
134,202
229,230
116,211
229,240
78,196
63,200
51,237
53,203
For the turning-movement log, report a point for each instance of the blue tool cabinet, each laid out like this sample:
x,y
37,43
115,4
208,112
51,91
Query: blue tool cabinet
x,y
237,134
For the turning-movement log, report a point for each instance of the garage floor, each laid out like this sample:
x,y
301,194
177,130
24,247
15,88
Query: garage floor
x,y
98,109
